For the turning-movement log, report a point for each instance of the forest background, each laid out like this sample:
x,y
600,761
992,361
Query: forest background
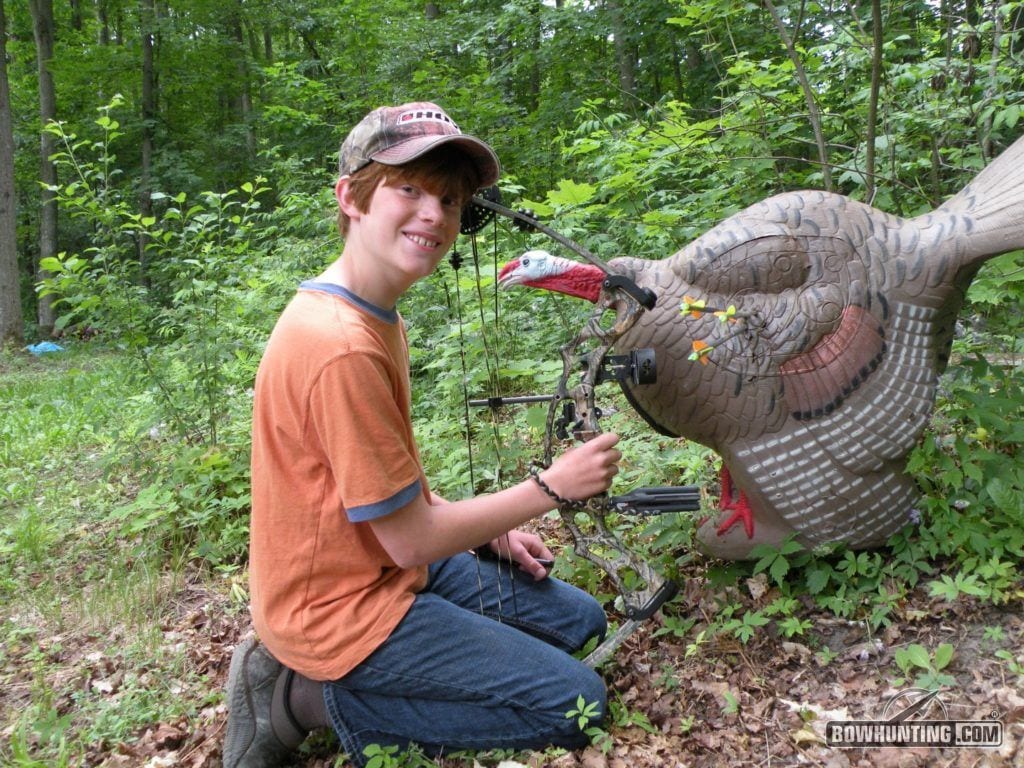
x,y
165,181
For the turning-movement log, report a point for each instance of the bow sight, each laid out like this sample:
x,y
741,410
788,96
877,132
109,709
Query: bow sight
x,y
572,411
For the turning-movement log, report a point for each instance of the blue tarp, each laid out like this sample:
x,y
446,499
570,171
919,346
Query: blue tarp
x,y
43,347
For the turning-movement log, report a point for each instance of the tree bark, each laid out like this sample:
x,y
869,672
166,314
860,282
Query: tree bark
x,y
147,15
10,290
76,15
104,19
992,85
42,30
268,46
876,86
623,52
244,95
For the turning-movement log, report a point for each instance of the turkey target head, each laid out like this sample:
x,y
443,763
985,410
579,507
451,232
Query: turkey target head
x,y
539,269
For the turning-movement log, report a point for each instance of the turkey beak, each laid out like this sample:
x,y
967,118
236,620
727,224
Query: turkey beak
x,y
510,275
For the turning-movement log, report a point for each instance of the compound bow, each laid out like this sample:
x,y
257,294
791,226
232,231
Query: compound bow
x,y
572,410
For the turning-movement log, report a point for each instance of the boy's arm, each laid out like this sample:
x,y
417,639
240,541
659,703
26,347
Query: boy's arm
x,y
422,532
525,549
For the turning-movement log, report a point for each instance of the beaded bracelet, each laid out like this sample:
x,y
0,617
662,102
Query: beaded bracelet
x,y
562,502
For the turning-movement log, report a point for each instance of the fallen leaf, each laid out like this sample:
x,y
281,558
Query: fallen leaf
x,y
757,585
806,735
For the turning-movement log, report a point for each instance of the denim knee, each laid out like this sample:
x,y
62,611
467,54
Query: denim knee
x,y
594,619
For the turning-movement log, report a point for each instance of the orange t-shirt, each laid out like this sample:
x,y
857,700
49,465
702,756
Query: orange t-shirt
x,y
332,448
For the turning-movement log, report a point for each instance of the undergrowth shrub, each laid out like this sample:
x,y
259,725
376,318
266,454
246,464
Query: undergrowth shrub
x,y
188,295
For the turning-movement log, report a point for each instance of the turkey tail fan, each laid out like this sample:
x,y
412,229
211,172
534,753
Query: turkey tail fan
x,y
991,208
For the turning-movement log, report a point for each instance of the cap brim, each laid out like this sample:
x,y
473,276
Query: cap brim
x,y
483,156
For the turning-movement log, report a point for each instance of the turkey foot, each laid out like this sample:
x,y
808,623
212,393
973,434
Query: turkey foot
x,y
738,505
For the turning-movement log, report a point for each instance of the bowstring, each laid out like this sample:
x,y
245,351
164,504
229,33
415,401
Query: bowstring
x,y
492,364
456,262
497,445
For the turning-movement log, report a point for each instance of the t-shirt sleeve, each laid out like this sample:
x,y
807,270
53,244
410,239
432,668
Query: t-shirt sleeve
x,y
364,429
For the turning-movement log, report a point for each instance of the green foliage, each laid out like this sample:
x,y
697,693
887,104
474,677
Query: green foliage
x,y
746,626
180,308
378,756
929,665
1013,663
776,561
67,463
191,314
584,713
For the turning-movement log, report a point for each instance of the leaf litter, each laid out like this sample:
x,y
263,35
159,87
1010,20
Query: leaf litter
x,y
765,703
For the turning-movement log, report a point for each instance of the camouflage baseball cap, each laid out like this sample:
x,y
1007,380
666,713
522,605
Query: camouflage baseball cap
x,y
396,135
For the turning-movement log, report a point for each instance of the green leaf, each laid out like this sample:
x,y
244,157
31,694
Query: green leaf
x,y
571,193
537,417
918,656
1003,495
945,588
943,655
817,579
765,562
789,547
779,569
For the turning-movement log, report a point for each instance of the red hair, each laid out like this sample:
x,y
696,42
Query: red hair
x,y
445,171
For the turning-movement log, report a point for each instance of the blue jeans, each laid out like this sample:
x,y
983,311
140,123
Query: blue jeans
x,y
449,678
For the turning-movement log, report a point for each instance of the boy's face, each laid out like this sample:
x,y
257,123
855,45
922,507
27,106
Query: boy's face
x,y
406,229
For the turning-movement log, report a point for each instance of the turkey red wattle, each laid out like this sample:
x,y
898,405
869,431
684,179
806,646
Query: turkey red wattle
x,y
539,269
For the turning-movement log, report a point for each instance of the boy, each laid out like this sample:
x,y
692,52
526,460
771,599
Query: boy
x,y
372,615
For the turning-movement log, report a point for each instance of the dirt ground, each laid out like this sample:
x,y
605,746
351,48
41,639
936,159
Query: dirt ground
x,y
761,704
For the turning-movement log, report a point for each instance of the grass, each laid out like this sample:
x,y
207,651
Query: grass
x,y
102,520
81,610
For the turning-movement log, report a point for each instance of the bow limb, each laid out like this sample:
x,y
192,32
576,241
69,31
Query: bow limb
x,y
600,545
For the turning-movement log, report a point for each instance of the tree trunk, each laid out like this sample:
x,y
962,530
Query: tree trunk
x,y
623,52
148,17
876,85
536,46
10,292
104,20
244,96
42,29
812,106
677,72
992,87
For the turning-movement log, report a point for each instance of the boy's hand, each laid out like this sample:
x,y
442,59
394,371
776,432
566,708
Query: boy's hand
x,y
585,470
527,550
